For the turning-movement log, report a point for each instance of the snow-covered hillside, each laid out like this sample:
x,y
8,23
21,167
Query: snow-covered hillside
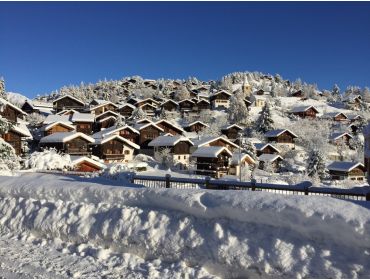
x,y
116,231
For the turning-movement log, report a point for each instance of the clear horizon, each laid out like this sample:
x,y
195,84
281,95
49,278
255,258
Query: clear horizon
x,y
50,45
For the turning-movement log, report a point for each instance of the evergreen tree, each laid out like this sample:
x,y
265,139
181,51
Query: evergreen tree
x,y
2,88
9,161
120,121
265,121
5,125
138,114
248,148
336,93
366,95
316,165
238,111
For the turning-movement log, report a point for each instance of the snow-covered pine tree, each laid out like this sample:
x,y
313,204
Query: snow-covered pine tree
x,y
248,148
238,111
366,95
2,88
316,165
265,121
182,93
138,114
5,125
120,121
335,92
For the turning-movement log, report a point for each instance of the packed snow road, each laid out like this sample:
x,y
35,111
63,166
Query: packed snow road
x,y
64,226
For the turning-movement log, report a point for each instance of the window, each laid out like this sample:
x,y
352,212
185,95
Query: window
x,y
178,157
127,152
184,157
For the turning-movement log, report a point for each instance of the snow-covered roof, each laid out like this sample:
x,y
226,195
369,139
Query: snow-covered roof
x,y
170,100
344,166
335,114
5,102
261,146
301,109
57,118
102,104
203,100
206,140
220,91
210,152
239,157
277,132
147,100
230,126
106,112
188,100
127,105
62,137
71,97
196,122
147,104
22,129
78,159
66,111
110,137
352,97
168,141
141,126
107,118
39,104
170,123
50,125
99,101
82,117
269,157
146,120
337,135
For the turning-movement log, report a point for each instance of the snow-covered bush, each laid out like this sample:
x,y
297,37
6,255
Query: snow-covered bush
x,y
316,168
35,119
265,121
48,159
117,171
9,161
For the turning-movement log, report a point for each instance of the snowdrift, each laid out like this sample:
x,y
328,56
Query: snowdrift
x,y
227,233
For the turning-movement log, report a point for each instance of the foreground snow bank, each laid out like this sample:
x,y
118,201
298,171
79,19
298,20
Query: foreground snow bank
x,y
225,233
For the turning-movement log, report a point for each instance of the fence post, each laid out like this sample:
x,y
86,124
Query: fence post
x,y
306,191
253,181
168,177
368,196
206,182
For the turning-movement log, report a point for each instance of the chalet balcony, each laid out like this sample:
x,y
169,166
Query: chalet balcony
x,y
72,151
113,156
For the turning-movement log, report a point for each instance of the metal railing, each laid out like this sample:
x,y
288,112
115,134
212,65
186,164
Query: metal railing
x,y
303,188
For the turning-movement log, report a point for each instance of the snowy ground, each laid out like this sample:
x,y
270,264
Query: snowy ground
x,y
64,226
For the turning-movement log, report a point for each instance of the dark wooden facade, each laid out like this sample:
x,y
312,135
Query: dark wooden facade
x,y
111,150
283,138
76,146
147,134
232,132
196,127
10,113
108,122
57,128
213,167
103,108
15,140
203,105
186,105
67,102
169,105
86,166
357,173
84,127
169,128
340,118
126,111
129,135
309,113
268,149
105,115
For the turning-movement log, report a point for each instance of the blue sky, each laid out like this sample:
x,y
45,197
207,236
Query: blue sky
x,y
44,46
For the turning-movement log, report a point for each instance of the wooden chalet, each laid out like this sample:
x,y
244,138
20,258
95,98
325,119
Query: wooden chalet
x,y
220,99
178,146
86,164
14,138
304,112
125,131
149,101
195,126
215,141
281,137
270,162
10,111
262,148
105,123
232,131
148,132
114,148
239,161
73,143
149,109
126,110
337,117
342,170
353,101
186,105
169,127
212,161
170,105
298,93
340,137
107,114
55,127
68,112
203,104
38,107
103,107
132,100
83,122
68,102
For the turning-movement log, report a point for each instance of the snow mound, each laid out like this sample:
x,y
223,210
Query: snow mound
x,y
48,159
226,233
